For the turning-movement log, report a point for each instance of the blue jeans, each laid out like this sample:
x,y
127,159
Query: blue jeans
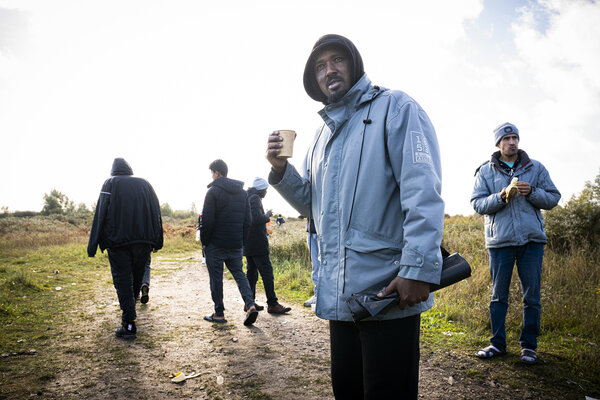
x,y
146,278
215,257
529,267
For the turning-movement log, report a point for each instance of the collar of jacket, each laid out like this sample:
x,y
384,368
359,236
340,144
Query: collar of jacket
x,y
336,114
253,191
227,184
523,159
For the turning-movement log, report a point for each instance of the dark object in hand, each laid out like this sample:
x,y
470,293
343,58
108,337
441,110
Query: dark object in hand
x,y
366,304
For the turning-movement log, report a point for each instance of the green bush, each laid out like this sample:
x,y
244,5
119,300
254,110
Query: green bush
x,y
57,203
576,225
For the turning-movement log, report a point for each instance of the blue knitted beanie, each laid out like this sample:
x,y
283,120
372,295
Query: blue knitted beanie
x,y
505,129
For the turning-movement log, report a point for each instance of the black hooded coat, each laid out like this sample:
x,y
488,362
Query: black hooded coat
x,y
258,242
225,215
127,212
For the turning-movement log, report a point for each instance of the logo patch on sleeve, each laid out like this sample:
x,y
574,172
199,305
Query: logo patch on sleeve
x,y
420,148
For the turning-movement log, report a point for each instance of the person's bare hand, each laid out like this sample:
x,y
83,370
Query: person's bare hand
x,y
411,292
274,145
524,188
503,194
511,195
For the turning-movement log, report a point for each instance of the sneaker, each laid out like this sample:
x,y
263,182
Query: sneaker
x,y
251,316
258,308
144,299
127,331
277,309
311,301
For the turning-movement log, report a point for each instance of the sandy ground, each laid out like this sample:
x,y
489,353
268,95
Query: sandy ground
x,y
280,357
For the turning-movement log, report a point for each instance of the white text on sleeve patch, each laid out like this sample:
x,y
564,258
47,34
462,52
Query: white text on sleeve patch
x,y
420,148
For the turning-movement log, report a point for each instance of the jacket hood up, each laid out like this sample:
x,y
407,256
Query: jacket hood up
x,y
310,81
121,167
228,185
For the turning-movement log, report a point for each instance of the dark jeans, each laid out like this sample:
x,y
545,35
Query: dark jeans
x,y
127,265
215,257
146,278
529,259
375,359
262,264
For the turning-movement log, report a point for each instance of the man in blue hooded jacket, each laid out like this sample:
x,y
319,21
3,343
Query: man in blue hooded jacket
x,y
127,222
514,232
372,184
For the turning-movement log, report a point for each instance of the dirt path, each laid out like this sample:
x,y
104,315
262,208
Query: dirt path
x,y
280,357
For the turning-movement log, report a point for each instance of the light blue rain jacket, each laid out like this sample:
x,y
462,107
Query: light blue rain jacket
x,y
520,220
377,205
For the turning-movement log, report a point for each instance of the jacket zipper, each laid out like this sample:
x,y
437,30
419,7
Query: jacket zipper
x,y
366,122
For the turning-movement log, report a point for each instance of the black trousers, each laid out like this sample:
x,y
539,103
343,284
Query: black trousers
x,y
127,265
375,359
262,264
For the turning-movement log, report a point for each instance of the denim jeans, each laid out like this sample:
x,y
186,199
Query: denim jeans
x,y
262,264
528,258
146,278
215,257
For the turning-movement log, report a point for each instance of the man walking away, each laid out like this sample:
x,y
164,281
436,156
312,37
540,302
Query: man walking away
x,y
225,224
127,222
510,190
256,249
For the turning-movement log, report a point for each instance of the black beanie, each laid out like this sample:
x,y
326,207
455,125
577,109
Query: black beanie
x,y
310,82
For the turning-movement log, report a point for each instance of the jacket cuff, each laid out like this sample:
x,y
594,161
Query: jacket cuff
x,y
414,265
498,199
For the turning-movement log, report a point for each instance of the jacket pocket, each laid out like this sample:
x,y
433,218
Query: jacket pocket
x,y
364,242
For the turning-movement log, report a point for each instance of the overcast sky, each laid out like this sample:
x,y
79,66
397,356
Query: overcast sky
x,y
172,85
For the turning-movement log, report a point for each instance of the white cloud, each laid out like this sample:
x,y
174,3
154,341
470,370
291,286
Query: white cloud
x,y
562,69
172,86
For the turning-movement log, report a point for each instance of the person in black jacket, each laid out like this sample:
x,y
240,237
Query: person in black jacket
x,y
127,222
256,249
225,223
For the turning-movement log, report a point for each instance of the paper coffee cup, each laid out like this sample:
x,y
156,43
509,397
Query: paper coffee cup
x,y
288,143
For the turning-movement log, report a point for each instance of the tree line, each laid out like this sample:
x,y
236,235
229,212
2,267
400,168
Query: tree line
x,y
574,226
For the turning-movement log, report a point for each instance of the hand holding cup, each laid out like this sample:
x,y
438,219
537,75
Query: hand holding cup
x,y
279,148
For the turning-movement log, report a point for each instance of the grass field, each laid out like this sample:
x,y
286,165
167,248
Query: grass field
x,y
44,270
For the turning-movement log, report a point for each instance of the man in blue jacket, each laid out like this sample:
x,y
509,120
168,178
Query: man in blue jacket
x,y
127,222
224,228
372,184
514,232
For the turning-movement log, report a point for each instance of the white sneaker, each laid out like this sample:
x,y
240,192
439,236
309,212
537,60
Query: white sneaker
x,y
310,302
